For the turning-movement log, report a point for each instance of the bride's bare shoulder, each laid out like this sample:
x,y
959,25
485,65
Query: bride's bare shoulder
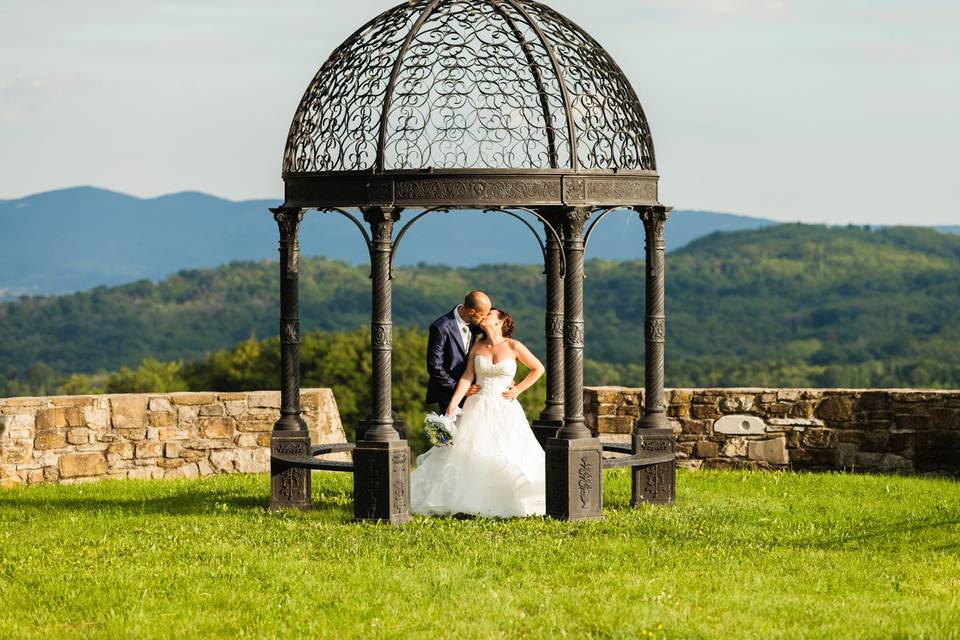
x,y
516,345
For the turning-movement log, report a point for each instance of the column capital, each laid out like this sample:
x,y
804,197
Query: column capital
x,y
381,220
288,219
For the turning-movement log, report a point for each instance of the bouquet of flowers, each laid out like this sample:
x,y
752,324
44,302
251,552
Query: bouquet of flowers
x,y
441,429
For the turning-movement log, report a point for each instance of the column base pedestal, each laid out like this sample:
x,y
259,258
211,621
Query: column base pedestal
x,y
656,483
289,485
543,430
574,473
381,481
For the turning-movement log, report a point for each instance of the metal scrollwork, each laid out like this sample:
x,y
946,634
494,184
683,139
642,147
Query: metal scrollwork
x,y
469,84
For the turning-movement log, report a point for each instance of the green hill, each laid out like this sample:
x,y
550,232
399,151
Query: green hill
x,y
783,305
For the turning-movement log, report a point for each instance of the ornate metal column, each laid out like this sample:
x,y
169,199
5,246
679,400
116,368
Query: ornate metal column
x,y
574,456
551,418
654,483
290,486
381,486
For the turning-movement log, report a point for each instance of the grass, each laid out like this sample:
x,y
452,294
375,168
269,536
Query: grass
x,y
741,555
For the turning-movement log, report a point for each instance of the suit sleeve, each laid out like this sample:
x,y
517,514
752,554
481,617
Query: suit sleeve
x,y
435,360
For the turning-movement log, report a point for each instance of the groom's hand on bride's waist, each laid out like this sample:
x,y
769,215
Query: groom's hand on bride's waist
x,y
473,390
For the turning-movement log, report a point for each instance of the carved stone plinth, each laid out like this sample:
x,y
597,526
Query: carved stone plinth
x,y
543,430
574,472
289,485
657,483
381,481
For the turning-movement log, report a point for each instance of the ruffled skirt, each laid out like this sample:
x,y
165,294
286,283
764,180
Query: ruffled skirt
x,y
495,466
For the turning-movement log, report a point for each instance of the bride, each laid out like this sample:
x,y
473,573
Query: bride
x,y
495,467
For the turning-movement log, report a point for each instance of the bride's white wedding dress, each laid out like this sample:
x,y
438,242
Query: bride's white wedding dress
x,y
495,466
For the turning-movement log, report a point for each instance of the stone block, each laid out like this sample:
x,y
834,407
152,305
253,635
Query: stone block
x,y
189,470
192,399
158,419
168,434
246,440
734,447
847,455
124,450
892,463
215,409
98,419
128,411
738,403
914,421
264,399
217,428
681,396
79,465
819,438
706,449
604,395
51,419
836,409
814,458
49,440
133,434
694,427
172,450
740,425
615,424
78,436
17,452
51,474
160,404
150,449
235,408
678,410
788,395
224,461
145,473
205,468
772,451
232,396
875,401
187,416
704,411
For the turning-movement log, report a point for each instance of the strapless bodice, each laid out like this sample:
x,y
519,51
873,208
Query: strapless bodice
x,y
494,379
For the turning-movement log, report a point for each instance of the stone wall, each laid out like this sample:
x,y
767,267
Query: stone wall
x,y
179,435
888,431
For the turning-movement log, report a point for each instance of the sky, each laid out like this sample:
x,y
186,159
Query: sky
x,y
823,111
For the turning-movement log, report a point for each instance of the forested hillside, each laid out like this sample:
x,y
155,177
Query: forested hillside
x,y
784,305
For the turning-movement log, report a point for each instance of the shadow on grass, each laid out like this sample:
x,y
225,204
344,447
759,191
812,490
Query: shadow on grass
x,y
185,499
886,532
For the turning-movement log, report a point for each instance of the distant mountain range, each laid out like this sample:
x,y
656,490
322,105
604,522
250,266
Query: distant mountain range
x,y
75,239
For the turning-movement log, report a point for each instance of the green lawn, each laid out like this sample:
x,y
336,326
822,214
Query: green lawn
x,y
741,555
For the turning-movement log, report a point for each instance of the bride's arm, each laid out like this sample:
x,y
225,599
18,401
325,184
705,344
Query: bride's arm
x,y
531,362
463,385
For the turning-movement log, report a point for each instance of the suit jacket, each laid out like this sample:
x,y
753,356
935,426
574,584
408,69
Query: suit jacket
x,y
446,358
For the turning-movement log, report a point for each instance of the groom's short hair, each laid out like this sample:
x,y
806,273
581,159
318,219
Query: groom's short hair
x,y
476,300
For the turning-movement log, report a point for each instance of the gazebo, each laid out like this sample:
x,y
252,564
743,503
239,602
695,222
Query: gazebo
x,y
498,105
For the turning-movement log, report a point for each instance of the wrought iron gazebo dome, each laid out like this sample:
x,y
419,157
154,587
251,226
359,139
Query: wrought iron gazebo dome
x,y
484,87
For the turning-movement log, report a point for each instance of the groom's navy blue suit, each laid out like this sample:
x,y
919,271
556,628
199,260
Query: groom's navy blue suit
x,y
446,359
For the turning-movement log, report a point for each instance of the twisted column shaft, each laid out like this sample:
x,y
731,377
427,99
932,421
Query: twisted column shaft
x,y
288,220
574,427
654,221
381,327
553,329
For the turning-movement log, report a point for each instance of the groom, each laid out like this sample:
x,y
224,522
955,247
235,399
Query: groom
x,y
451,336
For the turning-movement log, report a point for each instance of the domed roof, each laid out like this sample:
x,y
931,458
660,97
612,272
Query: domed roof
x,y
469,84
